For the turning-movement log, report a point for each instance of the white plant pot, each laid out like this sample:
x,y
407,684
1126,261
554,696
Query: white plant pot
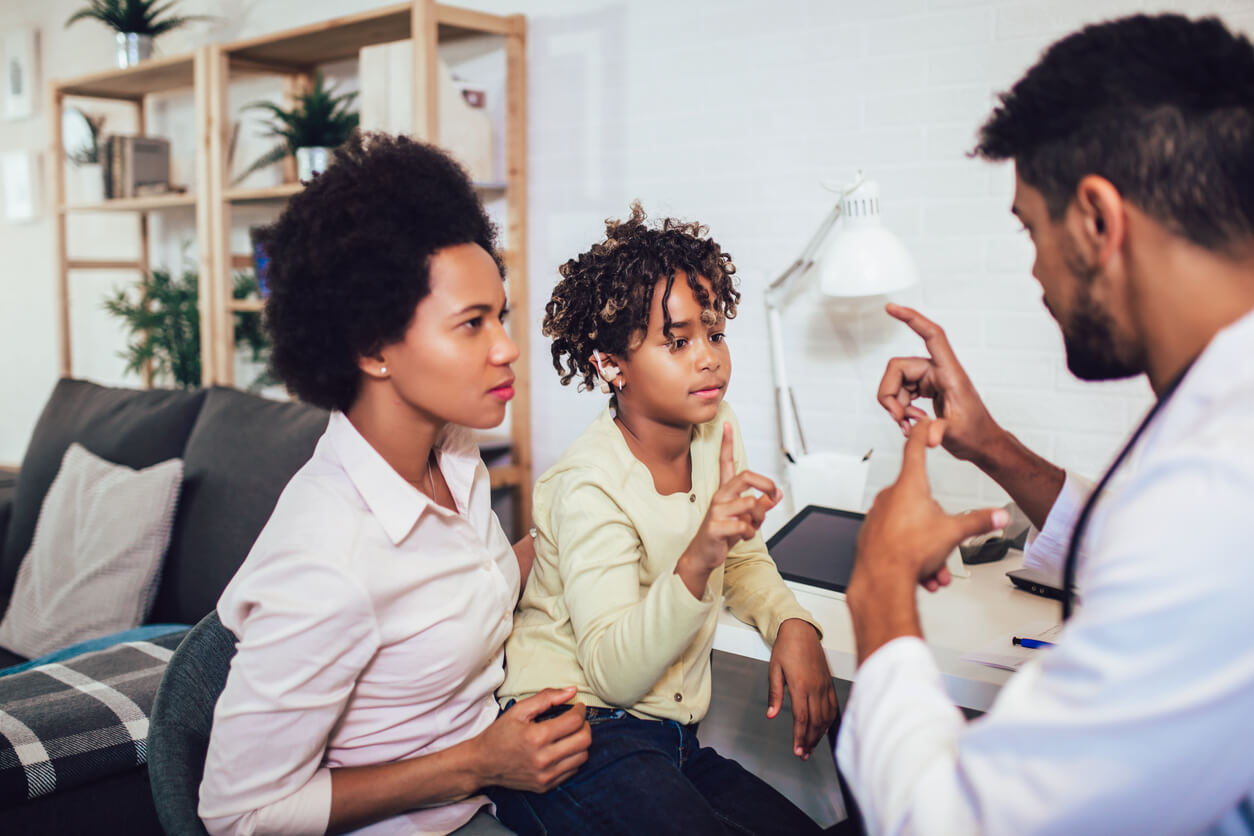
x,y
133,48
310,162
84,183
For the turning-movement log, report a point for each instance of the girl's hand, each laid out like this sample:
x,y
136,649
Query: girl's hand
x,y
730,518
799,664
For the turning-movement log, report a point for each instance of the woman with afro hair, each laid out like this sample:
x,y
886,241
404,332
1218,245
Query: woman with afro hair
x,y
646,526
372,611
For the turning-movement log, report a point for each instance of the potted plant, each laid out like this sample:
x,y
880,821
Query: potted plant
x,y
80,137
163,325
135,22
319,122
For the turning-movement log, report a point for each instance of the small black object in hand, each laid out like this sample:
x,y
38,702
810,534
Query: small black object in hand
x,y
551,712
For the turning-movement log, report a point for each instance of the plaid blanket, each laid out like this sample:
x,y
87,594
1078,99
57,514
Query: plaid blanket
x,y
66,724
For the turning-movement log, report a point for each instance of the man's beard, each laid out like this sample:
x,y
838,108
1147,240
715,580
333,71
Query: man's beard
x,y
1089,337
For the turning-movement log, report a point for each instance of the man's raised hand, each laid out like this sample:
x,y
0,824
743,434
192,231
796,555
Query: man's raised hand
x,y
940,378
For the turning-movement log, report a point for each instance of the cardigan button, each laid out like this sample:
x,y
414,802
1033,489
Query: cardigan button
x,y
692,497
679,697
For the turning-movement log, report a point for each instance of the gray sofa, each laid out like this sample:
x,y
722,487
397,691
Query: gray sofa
x,y
239,451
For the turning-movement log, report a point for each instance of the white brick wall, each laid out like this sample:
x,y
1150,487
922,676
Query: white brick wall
x,y
732,113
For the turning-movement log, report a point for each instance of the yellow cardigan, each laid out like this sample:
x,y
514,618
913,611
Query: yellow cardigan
x,y
604,610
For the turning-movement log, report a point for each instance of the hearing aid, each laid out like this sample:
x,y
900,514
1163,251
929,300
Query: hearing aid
x,y
608,371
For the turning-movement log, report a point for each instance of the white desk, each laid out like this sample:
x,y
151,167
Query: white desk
x,y
968,614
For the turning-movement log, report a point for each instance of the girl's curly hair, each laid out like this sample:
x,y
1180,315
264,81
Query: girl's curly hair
x,y
603,299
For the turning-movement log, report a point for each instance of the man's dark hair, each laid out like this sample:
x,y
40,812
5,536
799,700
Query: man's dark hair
x,y
1162,107
603,299
349,259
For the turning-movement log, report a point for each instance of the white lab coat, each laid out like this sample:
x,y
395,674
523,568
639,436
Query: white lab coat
x,y
1141,720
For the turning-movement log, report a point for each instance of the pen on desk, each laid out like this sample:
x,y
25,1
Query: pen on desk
x,y
1030,643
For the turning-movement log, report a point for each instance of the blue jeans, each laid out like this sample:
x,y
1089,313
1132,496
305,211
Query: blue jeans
x,y
650,777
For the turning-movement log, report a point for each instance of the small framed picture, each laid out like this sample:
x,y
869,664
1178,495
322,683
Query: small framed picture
x,y
20,173
18,51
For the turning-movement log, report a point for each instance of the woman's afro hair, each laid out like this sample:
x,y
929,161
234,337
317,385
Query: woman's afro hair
x,y
604,297
349,259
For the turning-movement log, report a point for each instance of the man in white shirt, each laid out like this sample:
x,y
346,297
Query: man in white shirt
x,y
1133,143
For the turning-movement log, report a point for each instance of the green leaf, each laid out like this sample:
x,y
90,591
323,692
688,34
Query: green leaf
x,y
161,314
269,158
318,118
141,17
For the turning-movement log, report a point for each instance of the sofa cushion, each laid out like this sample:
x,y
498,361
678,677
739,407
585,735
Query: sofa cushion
x,y
75,722
93,565
126,426
241,454
135,634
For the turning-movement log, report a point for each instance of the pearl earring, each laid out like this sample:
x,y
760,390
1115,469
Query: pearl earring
x,y
383,370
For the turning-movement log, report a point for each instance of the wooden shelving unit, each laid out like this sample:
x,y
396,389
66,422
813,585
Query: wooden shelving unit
x,y
294,55
133,85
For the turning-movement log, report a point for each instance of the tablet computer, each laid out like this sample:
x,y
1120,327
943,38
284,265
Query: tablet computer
x,y
817,547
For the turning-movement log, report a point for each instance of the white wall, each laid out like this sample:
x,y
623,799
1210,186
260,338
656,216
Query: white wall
x,y
732,113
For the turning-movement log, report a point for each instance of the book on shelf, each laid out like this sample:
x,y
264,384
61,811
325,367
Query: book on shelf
x,y
136,166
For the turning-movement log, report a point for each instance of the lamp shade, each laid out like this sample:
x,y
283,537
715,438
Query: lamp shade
x,y
862,257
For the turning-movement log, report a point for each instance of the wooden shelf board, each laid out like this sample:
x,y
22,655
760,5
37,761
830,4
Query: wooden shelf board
x,y
134,204
505,476
156,75
280,192
343,37
286,190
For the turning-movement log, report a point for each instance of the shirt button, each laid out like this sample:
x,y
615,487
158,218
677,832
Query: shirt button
x,y
679,697
692,497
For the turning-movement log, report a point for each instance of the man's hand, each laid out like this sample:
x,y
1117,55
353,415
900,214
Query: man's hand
x,y
906,531
940,378
522,754
903,542
970,432
798,663
730,518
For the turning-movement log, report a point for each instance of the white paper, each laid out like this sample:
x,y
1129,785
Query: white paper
x,y
1006,655
831,480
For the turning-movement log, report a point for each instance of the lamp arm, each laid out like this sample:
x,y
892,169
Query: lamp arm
x,y
785,404
806,258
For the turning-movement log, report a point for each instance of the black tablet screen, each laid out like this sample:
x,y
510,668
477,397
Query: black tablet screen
x,y
817,547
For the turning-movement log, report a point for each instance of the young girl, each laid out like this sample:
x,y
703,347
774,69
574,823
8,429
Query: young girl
x,y
642,534
372,611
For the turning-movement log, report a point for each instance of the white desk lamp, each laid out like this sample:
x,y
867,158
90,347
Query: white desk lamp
x,y
861,259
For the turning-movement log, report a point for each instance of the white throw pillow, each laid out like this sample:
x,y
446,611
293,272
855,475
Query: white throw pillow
x,y
95,560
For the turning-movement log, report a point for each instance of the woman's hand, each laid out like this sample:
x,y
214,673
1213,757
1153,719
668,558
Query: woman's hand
x,y
798,662
729,519
520,753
